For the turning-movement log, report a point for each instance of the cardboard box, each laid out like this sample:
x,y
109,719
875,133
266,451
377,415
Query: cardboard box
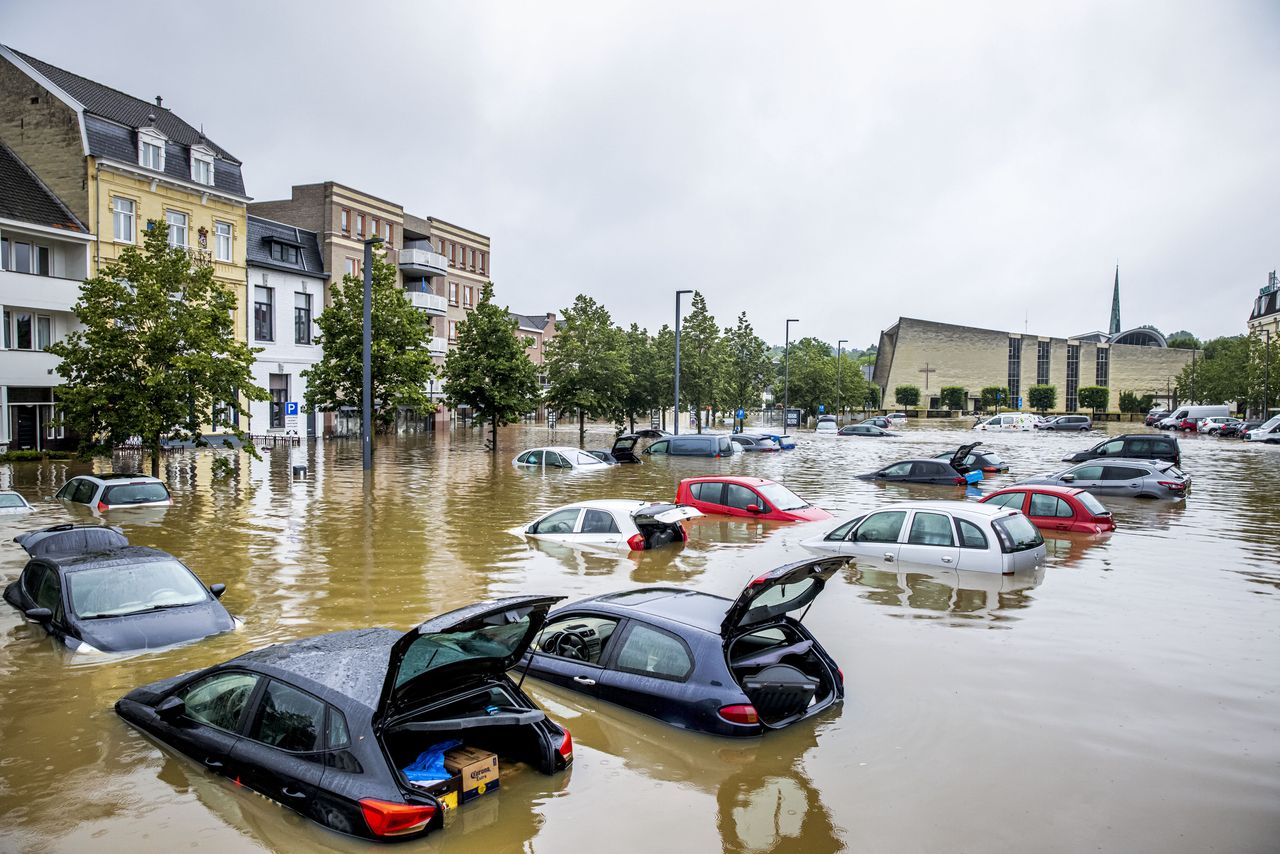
x,y
476,769
446,793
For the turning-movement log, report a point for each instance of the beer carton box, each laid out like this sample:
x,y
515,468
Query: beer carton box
x,y
476,769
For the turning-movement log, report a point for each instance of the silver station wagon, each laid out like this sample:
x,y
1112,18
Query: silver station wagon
x,y
948,534
1121,477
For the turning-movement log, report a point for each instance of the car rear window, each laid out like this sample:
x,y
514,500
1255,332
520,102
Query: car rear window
x,y
1092,504
12,500
135,493
1017,534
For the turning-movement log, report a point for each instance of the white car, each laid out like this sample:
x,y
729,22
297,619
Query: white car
x,y
115,491
1268,431
1214,425
613,524
897,416
949,534
1008,421
558,458
827,424
12,503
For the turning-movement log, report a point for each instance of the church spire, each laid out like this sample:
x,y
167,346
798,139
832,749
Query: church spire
x,y
1115,305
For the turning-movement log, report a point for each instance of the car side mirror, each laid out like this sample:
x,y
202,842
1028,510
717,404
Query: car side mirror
x,y
39,615
171,708
217,590
1068,478
754,508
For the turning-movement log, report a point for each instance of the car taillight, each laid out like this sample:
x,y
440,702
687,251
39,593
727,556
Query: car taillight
x,y
1176,486
636,542
744,714
386,818
684,535
840,673
566,748
990,468
960,481
102,507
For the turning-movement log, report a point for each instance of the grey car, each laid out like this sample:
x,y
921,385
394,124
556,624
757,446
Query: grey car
x,y
1067,422
1135,478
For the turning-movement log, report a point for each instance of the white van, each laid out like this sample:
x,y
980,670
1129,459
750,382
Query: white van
x,y
1268,431
1008,421
1192,412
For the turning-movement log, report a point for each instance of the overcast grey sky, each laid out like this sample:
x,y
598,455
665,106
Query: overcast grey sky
x,y
843,163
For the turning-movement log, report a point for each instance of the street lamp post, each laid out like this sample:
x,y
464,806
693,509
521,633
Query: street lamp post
x,y
675,421
1266,376
366,394
786,370
839,349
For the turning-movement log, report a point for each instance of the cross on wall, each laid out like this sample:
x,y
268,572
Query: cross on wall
x,y
926,370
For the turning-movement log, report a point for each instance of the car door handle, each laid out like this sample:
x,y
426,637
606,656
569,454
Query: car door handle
x,y
584,680
289,793
888,556
946,559
212,763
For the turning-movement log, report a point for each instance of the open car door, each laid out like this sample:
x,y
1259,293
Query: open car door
x,y
957,459
779,591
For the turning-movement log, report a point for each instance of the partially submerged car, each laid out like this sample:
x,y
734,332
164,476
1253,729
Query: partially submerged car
x,y
783,440
989,462
881,421
334,726
734,667
693,445
952,471
94,592
1055,508
746,442
865,429
628,446
558,458
12,503
1021,421
751,497
1122,477
827,424
1132,446
614,524
105,492
947,534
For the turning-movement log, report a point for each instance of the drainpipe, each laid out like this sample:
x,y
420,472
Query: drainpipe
x,y
97,214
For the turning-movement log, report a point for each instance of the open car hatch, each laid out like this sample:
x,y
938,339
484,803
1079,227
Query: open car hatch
x,y
665,514
484,639
957,459
779,591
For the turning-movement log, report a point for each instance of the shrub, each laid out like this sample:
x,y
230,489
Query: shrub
x,y
954,397
907,395
1042,398
992,395
1094,397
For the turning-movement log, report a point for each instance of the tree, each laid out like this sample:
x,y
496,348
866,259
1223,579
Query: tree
x,y
746,365
993,395
664,370
1130,402
954,397
1262,374
399,356
813,375
871,396
1095,397
1183,340
642,391
907,396
157,354
699,357
585,363
1042,398
490,369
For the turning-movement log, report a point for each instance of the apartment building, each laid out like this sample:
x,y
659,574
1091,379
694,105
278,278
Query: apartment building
x,y
1265,316
44,255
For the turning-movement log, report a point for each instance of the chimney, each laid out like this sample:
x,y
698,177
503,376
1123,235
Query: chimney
x,y
159,101
551,317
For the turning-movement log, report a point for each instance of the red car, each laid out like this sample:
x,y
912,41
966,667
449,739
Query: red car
x,y
753,497
1056,508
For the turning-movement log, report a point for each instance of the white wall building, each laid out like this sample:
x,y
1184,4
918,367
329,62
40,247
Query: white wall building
x,y
286,292
44,256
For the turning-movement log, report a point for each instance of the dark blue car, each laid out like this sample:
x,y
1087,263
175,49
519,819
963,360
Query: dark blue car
x,y
94,592
735,667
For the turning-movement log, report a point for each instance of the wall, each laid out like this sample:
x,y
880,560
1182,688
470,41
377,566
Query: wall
x,y
46,135
283,355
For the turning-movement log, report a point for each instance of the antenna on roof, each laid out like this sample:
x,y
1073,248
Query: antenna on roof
x,y
159,101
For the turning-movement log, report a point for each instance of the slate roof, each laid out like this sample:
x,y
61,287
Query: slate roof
x,y
262,232
112,119
25,198
527,321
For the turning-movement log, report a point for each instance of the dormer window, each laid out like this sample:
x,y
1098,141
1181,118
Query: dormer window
x,y
151,149
202,165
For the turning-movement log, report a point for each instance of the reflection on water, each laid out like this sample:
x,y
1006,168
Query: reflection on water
x,y
1133,684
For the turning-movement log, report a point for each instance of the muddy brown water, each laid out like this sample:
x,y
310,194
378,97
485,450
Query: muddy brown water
x,y
1122,699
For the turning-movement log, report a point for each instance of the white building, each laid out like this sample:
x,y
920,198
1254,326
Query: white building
x,y
44,256
286,288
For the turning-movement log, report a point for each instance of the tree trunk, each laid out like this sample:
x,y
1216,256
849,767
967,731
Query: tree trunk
x,y
633,423
582,427
493,425
155,457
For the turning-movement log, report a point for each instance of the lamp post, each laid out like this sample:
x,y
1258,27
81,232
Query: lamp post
x,y
366,393
675,422
786,371
1266,376
839,349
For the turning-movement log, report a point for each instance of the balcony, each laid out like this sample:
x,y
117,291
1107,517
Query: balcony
x,y
44,293
423,262
430,303
437,346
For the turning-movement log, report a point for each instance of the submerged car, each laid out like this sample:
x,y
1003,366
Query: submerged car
x,y
1132,446
734,667
826,424
989,462
881,421
1008,421
115,491
1213,426
12,503
1134,478
754,443
94,592
751,497
865,430
948,534
1066,422
558,458
952,471
1055,508
627,446
331,726
693,445
614,524
784,441
603,456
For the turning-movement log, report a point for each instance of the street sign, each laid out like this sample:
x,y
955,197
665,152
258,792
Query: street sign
x,y
291,408
822,407
741,414
793,417
291,417
551,419
1018,405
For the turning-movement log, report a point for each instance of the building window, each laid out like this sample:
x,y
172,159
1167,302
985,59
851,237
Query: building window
x,y
1015,370
302,318
468,296
201,168
21,260
373,226
484,262
22,327
346,221
453,254
284,253
1104,366
177,228
122,219
387,233
1073,376
351,266
359,225
453,293
279,387
262,325
8,330
150,151
1042,363
471,258
222,240
44,332
453,331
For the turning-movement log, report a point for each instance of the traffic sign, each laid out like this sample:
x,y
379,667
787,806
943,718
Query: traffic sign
x,y
291,407
822,407
741,414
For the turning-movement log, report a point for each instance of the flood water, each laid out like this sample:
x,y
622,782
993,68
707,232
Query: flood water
x,y
1125,698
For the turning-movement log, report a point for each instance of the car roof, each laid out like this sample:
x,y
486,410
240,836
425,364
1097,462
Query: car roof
x,y
1155,464
351,663
694,608
948,506
1036,487
115,475
122,556
610,504
560,449
729,478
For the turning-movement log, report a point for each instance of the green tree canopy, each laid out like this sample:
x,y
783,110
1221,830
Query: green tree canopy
x,y
700,357
993,395
643,390
158,353
813,375
664,370
1042,398
1130,402
401,361
907,395
747,366
586,364
1095,397
954,397
490,369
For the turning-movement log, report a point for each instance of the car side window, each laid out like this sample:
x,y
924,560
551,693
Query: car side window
x,y
841,532
220,700
598,522
1048,505
1111,449
971,536
726,447
577,637
658,447
550,459
338,733
524,458
738,497
534,458
84,492
1139,448
897,470
653,652
289,719
931,529
1088,473
1009,499
881,527
1121,473
587,460
931,470
559,522
68,489
49,593
32,576
709,492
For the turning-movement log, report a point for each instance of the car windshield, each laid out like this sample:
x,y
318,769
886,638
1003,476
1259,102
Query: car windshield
x,y
135,493
782,498
1091,504
113,591
11,500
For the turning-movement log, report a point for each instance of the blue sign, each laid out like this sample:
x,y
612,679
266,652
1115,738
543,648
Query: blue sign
x,y
741,414
291,407
822,407
1018,405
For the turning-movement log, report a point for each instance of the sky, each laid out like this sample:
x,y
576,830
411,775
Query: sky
x,y
845,163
